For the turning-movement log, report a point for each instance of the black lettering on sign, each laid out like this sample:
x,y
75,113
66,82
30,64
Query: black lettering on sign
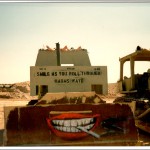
x,y
98,73
69,80
43,74
63,73
54,73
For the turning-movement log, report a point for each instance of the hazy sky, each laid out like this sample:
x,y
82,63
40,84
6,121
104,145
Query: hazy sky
x,y
107,30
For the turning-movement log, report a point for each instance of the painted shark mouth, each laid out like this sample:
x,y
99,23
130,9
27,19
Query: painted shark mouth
x,y
66,125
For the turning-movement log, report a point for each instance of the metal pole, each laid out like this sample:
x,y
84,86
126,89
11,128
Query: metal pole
x,y
58,54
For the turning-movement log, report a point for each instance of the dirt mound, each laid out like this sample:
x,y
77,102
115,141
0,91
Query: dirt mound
x,y
113,89
19,90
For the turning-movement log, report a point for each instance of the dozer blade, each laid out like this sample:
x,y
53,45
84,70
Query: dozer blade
x,y
70,125
143,121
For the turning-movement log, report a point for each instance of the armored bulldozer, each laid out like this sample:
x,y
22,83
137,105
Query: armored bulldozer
x,y
136,88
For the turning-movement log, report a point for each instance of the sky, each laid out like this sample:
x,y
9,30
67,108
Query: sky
x,y
107,30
